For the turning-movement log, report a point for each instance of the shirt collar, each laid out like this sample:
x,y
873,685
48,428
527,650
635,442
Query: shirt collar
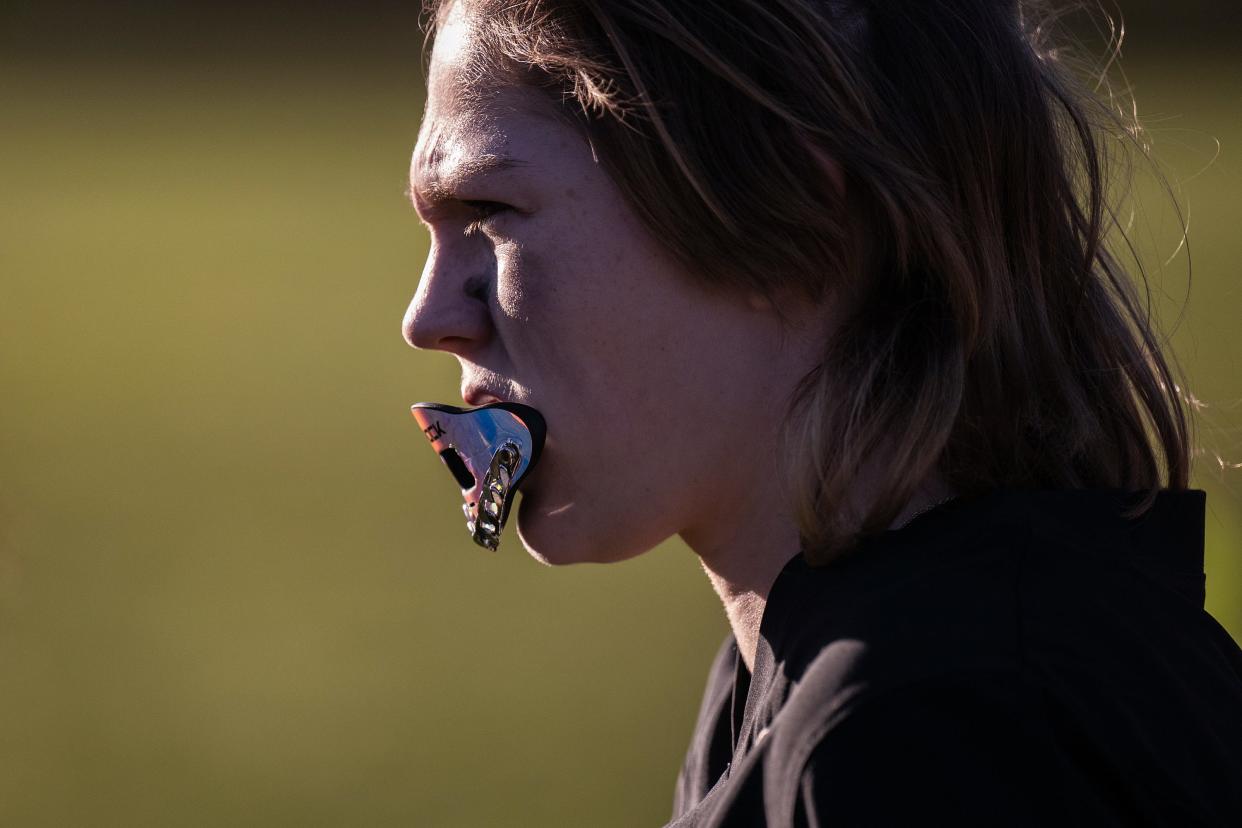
x,y
1167,541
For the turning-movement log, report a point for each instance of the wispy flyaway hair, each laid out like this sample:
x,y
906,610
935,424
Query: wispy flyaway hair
x,y
926,168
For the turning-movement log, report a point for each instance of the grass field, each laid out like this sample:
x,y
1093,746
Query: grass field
x,y
234,587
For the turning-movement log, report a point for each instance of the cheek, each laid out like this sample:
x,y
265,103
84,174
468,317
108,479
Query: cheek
x,y
609,338
611,349
559,316
516,282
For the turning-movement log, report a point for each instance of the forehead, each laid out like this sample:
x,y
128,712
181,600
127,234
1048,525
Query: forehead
x,y
465,142
476,121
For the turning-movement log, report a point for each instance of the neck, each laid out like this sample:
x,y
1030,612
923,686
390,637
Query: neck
x,y
743,581
743,555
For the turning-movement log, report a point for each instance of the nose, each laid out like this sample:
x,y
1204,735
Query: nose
x,y
449,311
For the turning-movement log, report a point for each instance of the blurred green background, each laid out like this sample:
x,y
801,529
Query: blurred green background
x,y
234,586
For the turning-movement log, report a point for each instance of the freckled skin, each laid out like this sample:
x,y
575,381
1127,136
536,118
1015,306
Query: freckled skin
x,y
662,397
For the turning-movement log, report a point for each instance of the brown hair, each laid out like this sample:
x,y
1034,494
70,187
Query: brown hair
x,y
986,331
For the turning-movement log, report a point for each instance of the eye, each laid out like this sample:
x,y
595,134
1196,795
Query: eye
x,y
483,211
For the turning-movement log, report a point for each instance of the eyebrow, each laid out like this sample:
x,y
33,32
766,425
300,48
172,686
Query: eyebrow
x,y
440,190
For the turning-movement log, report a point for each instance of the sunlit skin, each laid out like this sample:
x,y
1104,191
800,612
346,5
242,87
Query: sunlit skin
x,y
662,397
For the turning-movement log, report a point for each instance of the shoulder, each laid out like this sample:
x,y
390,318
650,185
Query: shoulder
x,y
976,703
968,750
1002,742
986,750
961,744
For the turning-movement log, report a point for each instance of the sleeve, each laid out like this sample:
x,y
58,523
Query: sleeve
x,y
925,756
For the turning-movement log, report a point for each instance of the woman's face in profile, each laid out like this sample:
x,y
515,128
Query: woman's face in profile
x,y
660,396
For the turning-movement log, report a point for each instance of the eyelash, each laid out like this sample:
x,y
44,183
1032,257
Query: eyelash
x,y
485,209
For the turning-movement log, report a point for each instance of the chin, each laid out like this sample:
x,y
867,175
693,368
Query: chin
x,y
568,535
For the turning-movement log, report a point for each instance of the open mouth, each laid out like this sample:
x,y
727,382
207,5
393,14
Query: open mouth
x,y
489,450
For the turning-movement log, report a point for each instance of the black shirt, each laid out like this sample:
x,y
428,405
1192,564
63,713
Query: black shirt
x,y
1015,658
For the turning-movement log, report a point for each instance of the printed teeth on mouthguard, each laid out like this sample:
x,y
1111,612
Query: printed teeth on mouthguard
x,y
485,523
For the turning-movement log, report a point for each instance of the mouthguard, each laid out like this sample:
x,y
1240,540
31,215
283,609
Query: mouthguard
x,y
489,450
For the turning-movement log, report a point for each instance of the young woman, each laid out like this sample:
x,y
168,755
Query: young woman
x,y
821,287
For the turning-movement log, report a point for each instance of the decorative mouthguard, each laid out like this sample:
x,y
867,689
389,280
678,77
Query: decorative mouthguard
x,y
489,450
